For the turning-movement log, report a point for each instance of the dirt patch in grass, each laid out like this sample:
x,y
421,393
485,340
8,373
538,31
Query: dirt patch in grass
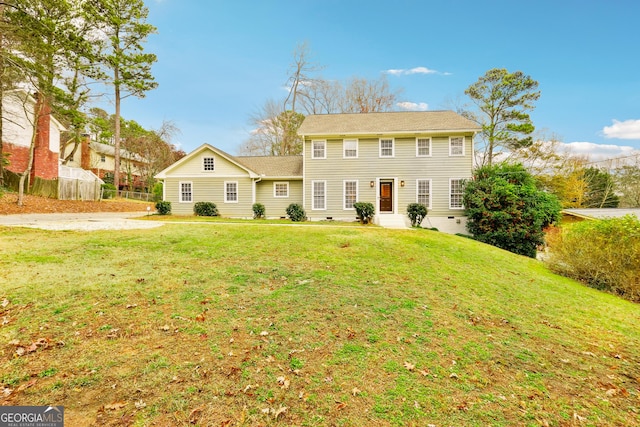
x,y
36,204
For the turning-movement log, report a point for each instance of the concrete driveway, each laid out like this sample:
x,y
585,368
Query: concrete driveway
x,y
79,221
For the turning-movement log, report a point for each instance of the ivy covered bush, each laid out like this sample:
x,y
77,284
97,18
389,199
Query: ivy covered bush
x,y
365,211
108,191
258,211
416,212
296,212
205,209
163,208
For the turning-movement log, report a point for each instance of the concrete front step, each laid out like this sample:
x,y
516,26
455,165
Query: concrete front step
x,y
392,221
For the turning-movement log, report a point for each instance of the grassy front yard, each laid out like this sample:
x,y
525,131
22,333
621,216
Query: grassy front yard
x,y
211,324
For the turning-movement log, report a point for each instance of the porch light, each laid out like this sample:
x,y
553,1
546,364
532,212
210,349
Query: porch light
x,y
372,184
401,183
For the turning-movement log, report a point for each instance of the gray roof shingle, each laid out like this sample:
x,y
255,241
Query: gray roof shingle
x,y
390,122
273,166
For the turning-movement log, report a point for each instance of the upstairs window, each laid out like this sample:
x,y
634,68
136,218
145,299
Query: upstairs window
x,y
423,147
208,163
103,158
318,149
386,147
456,146
350,148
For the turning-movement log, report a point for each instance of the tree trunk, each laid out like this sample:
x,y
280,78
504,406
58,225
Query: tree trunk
x,y
26,175
116,155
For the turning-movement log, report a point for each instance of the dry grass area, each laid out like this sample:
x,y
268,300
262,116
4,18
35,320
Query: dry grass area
x,y
36,204
228,325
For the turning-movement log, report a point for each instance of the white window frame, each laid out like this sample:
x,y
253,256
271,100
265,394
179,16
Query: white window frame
x,y
393,147
313,196
226,192
181,193
324,148
461,194
418,147
275,191
451,138
344,194
418,190
344,148
204,164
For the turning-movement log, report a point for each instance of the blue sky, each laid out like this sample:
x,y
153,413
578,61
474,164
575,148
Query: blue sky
x,y
220,61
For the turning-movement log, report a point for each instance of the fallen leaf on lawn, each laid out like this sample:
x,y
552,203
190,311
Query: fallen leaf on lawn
x,y
280,411
453,375
270,359
115,405
5,302
283,382
409,366
195,414
200,317
20,351
264,333
356,391
165,328
140,404
5,321
6,391
26,385
132,305
424,372
340,405
416,404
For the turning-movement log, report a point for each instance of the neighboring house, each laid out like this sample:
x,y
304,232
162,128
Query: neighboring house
x,y
388,159
19,119
573,215
100,159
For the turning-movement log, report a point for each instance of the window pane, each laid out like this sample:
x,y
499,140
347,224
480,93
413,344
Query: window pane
x,y
232,192
185,192
208,163
457,191
423,192
423,147
282,189
457,146
350,194
318,195
318,148
350,147
386,147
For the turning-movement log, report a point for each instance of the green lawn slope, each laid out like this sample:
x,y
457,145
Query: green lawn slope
x,y
227,324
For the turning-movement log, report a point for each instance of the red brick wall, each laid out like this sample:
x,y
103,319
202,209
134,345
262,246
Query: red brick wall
x,y
45,162
19,157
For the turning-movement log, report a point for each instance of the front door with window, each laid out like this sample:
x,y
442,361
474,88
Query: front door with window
x,y
386,196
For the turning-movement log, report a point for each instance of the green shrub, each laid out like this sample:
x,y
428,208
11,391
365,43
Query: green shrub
x,y
365,211
296,212
163,208
416,212
205,209
108,191
604,254
258,210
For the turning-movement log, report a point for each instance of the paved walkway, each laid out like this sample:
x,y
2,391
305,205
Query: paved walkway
x,y
79,221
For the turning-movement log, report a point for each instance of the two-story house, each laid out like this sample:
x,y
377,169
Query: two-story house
x,y
388,159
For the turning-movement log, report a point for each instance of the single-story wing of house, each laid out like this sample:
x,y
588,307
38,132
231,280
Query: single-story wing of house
x,y
388,159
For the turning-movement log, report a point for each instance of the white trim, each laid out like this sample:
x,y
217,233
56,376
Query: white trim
x,y
344,148
418,190
324,149
275,194
313,194
393,147
463,145
450,193
418,149
180,191
225,192
344,194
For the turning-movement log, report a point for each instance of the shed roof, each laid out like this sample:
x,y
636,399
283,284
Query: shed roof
x,y
385,123
273,166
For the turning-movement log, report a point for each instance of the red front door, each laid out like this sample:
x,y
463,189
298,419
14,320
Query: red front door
x,y
386,196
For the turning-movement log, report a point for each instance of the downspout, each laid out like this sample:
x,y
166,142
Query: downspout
x,y
304,174
253,195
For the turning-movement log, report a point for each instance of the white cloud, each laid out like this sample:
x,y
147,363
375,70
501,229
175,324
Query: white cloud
x,y
597,152
629,129
415,70
413,106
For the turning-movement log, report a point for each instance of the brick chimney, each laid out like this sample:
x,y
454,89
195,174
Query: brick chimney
x,y
45,161
85,153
